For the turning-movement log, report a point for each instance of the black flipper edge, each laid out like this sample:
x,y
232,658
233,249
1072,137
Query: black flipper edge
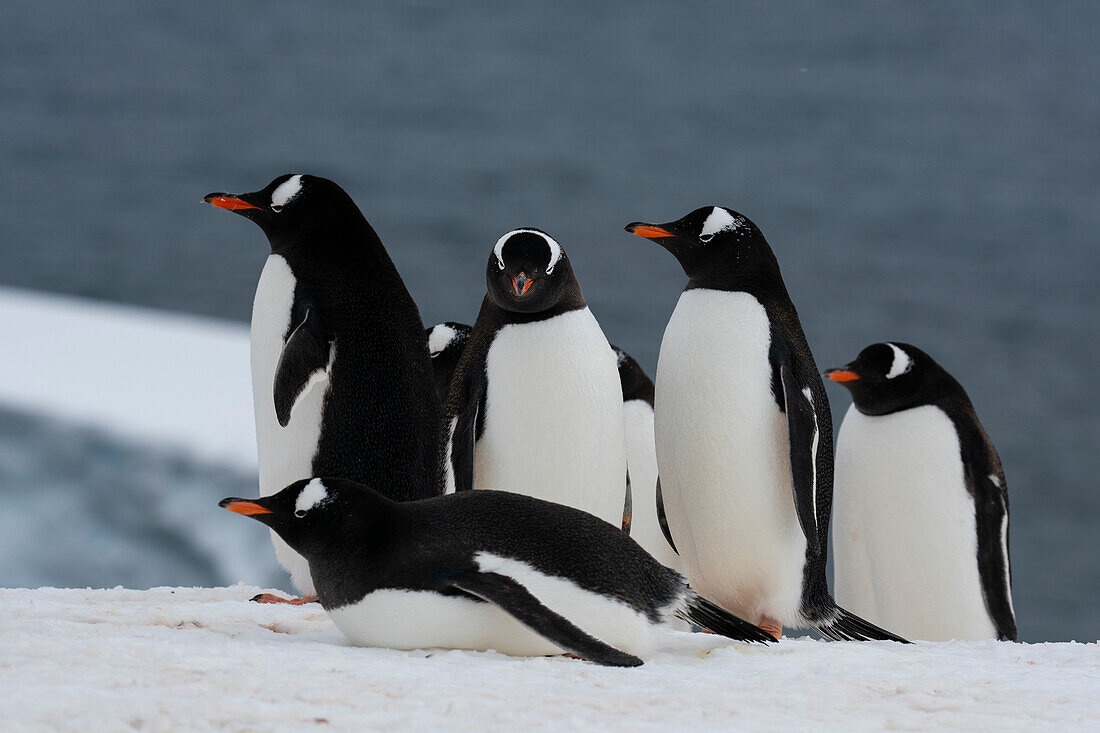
x,y
846,626
517,601
710,616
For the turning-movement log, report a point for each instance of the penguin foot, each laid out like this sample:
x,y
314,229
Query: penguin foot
x,y
771,626
272,598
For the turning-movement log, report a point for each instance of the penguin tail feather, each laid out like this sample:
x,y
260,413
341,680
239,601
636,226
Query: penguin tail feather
x,y
846,626
712,617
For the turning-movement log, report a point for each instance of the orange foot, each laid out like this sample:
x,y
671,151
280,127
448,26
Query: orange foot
x,y
771,626
272,598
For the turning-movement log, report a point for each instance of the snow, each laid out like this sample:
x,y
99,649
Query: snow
x,y
206,659
149,376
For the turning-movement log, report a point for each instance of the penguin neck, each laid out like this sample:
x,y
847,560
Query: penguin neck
x,y
758,275
345,258
571,300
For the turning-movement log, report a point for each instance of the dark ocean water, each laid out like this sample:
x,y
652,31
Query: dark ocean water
x,y
925,173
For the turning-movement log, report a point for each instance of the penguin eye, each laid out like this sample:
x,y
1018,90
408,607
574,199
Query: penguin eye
x,y
300,513
276,208
706,237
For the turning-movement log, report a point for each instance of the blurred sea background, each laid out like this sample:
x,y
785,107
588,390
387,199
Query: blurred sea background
x,y
925,173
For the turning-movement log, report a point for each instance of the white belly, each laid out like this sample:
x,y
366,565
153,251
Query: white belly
x,y
554,416
641,459
402,619
904,536
722,450
285,454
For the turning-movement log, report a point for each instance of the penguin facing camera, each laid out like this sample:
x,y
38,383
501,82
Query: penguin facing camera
x,y
535,403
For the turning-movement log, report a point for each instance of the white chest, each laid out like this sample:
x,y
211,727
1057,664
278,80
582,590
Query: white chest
x,y
723,455
904,536
554,416
284,454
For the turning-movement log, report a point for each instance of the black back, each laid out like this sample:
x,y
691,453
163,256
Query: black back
x,y
381,412
636,383
918,380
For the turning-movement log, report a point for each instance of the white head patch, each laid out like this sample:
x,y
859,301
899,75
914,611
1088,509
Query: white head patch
x,y
902,363
441,337
555,248
310,496
286,191
719,220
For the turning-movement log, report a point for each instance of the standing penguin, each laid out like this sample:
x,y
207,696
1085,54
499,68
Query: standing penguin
x,y
535,405
743,431
482,570
445,344
921,529
341,380
648,526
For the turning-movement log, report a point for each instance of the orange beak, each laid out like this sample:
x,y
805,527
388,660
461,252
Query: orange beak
x,y
247,508
228,202
649,231
841,375
521,284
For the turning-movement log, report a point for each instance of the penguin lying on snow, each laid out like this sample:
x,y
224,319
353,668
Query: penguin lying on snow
x,y
921,529
341,379
743,432
482,570
535,402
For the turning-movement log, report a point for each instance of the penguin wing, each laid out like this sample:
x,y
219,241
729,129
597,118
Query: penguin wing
x,y
628,505
991,498
468,394
514,599
804,435
306,352
662,519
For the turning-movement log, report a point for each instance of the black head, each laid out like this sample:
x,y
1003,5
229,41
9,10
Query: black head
x,y
294,209
636,383
446,342
310,514
711,241
890,377
529,272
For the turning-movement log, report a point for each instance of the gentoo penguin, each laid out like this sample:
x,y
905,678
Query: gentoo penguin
x,y
482,570
341,380
743,432
921,527
536,405
445,344
648,526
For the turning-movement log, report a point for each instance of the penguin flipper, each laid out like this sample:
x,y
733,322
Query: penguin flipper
x,y
991,497
306,352
628,506
804,435
662,519
511,597
464,436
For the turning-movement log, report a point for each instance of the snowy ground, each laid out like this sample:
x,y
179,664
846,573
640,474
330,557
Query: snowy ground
x,y
201,659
